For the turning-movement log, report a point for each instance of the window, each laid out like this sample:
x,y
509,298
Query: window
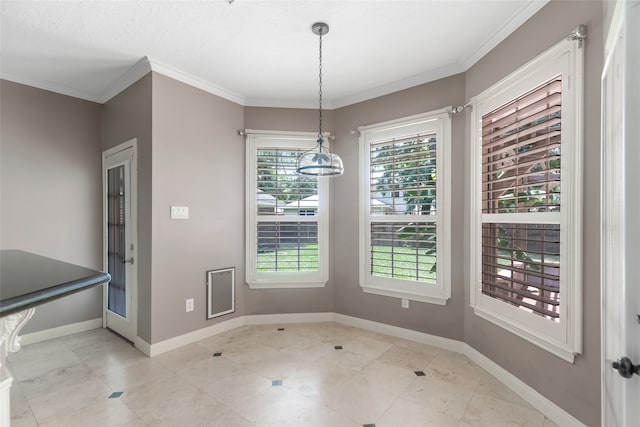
x,y
286,214
404,208
526,175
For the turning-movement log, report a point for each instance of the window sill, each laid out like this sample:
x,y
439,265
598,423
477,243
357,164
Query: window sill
x,y
283,285
555,348
431,299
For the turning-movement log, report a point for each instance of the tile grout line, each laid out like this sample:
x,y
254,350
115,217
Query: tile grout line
x,y
397,398
260,337
475,390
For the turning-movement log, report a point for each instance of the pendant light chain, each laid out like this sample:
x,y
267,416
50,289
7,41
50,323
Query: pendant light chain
x,y
320,89
319,160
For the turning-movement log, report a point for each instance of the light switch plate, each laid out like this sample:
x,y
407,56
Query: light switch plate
x,y
179,212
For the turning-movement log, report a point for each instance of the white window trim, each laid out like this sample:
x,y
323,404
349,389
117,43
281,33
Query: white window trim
x,y
435,121
274,280
564,338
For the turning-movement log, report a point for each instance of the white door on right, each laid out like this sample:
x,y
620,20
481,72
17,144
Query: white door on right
x,y
621,219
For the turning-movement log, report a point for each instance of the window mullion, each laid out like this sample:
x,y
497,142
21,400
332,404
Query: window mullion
x,y
525,218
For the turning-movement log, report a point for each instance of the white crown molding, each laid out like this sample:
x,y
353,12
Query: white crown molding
x,y
132,75
147,64
308,104
52,87
194,81
406,83
516,20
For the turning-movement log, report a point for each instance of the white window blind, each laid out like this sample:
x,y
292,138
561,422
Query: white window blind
x,y
403,176
404,251
279,188
287,246
286,214
402,184
404,199
283,244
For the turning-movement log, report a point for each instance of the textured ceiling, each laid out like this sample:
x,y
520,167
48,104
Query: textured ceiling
x,y
254,52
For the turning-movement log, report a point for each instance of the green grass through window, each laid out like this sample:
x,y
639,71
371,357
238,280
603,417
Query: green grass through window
x,y
404,263
303,258
401,263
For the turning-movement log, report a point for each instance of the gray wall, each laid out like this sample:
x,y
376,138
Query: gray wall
x,y
198,161
574,387
51,189
308,300
445,321
127,116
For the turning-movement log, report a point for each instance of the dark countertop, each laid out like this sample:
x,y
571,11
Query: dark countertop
x,y
28,280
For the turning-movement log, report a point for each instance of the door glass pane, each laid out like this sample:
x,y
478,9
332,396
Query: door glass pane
x,y
116,250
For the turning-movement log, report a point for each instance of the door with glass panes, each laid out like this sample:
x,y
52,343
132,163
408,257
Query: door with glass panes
x,y
120,245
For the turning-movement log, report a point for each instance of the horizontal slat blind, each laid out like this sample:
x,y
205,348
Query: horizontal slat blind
x,y
521,175
521,265
287,246
403,176
281,190
521,153
283,244
403,182
404,251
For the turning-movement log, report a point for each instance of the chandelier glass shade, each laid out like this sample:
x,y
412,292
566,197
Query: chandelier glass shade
x,y
319,161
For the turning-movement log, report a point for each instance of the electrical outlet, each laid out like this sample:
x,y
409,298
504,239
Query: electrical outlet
x,y
189,305
405,303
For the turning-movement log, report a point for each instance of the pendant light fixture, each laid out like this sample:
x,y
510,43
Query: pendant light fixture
x,y
320,161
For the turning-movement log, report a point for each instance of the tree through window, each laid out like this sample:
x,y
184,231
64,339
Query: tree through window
x,y
404,197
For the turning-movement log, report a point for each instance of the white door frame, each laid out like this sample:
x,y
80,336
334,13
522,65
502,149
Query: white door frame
x,y
620,204
127,327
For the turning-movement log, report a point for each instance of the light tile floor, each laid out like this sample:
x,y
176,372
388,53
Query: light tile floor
x,y
263,377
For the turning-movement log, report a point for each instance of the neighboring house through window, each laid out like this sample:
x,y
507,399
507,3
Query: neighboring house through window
x,y
404,208
287,221
526,201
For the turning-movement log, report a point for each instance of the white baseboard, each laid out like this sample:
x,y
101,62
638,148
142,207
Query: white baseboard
x,y
272,319
143,346
60,331
407,334
538,401
535,399
191,337
258,319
